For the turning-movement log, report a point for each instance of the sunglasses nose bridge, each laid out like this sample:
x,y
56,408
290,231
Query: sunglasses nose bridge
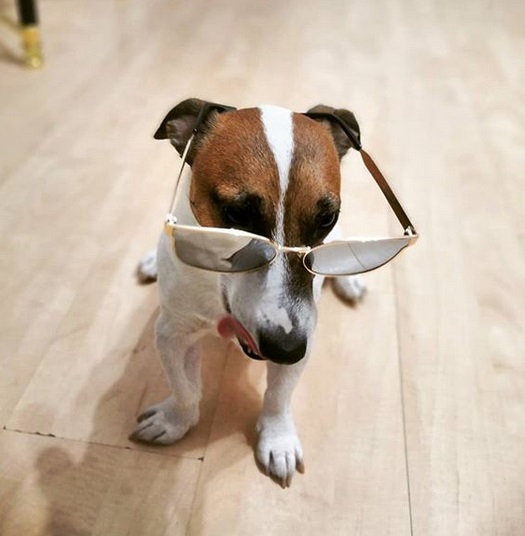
x,y
299,251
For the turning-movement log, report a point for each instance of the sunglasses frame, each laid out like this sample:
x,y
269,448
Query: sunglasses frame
x,y
171,225
171,228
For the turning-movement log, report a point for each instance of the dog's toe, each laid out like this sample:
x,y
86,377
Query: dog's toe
x,y
150,431
279,451
162,424
350,289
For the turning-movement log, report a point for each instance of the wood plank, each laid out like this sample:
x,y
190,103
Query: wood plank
x,y
460,295
74,285
86,310
56,487
107,383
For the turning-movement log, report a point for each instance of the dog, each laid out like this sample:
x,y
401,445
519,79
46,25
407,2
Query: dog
x,y
275,173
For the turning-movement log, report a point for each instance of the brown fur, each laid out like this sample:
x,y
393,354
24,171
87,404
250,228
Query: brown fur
x,y
314,176
234,159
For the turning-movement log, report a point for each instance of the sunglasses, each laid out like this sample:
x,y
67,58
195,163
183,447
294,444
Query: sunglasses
x,y
236,251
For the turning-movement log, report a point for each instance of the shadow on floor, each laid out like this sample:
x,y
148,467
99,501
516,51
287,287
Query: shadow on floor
x,y
124,488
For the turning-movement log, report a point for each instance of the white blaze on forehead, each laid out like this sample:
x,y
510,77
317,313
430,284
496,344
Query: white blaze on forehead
x,y
278,128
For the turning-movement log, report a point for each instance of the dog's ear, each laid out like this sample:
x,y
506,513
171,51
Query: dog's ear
x,y
341,139
179,123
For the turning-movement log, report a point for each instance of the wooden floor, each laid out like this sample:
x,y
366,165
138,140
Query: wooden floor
x,y
412,409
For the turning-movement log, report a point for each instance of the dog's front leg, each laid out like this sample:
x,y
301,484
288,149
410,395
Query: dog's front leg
x,y
169,421
279,450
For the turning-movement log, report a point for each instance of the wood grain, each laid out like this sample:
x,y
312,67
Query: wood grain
x,y
73,488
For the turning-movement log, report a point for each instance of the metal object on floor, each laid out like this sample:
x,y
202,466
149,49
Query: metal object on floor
x,y
30,32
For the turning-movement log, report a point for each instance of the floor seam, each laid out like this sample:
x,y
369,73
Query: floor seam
x,y
402,398
100,444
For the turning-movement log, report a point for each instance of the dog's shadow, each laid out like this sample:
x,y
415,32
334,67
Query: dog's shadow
x,y
79,491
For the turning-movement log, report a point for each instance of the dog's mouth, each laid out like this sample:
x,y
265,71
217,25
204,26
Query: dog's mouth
x,y
228,327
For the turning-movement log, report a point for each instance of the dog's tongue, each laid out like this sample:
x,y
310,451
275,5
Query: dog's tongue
x,y
228,327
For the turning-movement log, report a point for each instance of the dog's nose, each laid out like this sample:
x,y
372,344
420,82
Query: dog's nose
x,y
282,348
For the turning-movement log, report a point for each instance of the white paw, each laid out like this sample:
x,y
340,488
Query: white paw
x,y
350,288
147,267
162,424
279,450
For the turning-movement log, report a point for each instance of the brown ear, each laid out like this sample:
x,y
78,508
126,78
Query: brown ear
x,y
179,123
341,139
191,115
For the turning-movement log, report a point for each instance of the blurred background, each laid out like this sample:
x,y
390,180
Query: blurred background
x,y
412,411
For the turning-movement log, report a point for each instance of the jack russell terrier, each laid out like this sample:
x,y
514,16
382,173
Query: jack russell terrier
x,y
248,242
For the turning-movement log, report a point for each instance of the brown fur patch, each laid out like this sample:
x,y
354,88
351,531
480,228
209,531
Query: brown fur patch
x,y
232,161
314,176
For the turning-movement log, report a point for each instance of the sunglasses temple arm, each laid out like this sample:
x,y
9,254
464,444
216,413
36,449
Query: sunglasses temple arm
x,y
388,193
372,168
177,180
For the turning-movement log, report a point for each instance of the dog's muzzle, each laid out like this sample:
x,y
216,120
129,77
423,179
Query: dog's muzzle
x,y
274,345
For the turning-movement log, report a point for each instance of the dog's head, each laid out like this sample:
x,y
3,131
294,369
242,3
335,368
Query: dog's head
x,y
275,173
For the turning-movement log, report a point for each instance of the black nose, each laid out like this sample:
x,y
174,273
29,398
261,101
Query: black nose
x,y
283,348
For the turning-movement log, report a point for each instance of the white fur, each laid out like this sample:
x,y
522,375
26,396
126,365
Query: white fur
x,y
278,128
275,314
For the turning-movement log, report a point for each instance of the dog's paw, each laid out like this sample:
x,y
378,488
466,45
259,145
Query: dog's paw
x,y
162,424
147,267
350,289
279,450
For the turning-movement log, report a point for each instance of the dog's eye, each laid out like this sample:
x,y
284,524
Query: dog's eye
x,y
242,212
236,216
327,213
327,220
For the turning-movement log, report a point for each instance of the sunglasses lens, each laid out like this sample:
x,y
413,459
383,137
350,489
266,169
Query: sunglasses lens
x,y
353,257
221,250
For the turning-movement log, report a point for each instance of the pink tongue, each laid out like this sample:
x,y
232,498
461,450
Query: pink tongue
x,y
228,327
